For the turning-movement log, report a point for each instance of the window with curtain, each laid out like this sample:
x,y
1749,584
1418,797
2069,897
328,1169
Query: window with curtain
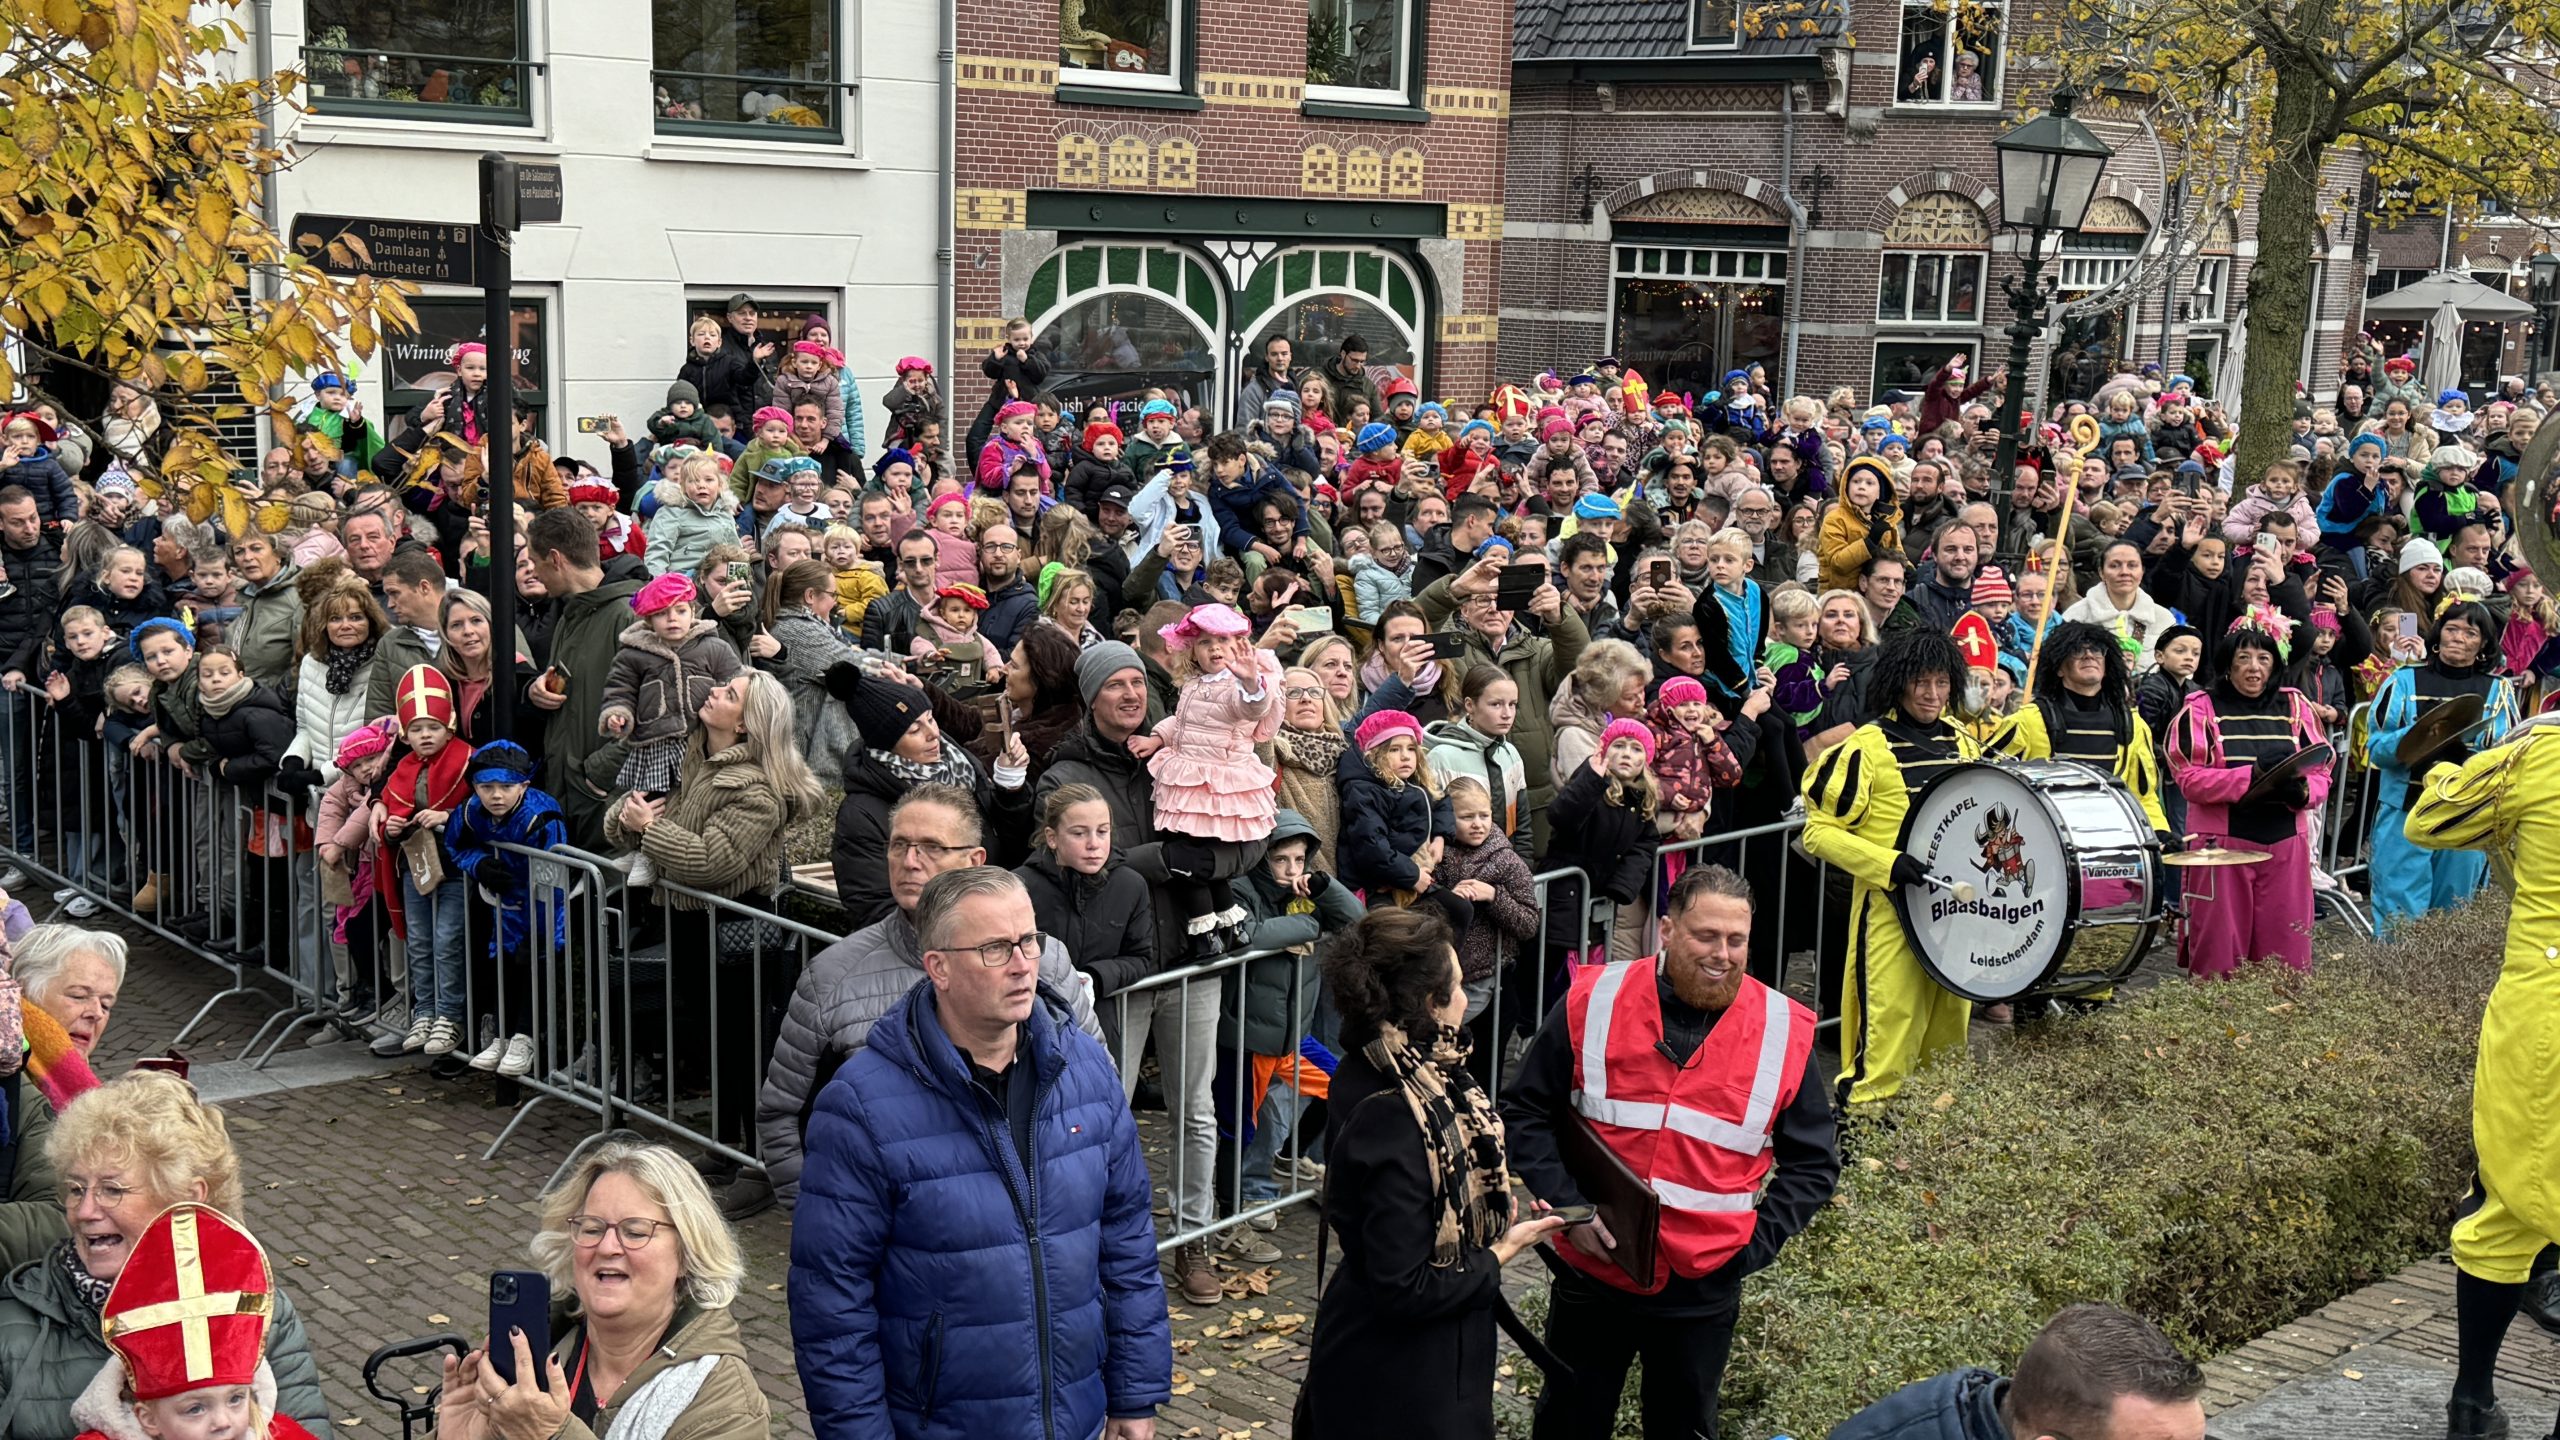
x,y
767,68
1130,44
1357,49
462,61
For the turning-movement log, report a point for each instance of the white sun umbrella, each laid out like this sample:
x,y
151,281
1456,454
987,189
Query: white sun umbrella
x,y
2442,369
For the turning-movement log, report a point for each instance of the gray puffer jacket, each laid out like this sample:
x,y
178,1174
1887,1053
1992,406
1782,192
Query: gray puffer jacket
x,y
844,992
50,1350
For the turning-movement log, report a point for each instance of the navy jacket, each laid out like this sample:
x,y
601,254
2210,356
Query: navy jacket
x,y
1958,1405
1382,825
1233,505
940,1292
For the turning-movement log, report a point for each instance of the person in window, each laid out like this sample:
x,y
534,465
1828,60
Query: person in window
x,y
1968,81
720,375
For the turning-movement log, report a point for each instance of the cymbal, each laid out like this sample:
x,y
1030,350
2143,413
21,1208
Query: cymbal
x,y
2309,756
2439,730
2214,855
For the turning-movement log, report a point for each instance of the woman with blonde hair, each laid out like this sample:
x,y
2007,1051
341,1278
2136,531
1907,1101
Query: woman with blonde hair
x,y
122,1153
740,787
636,1249
1304,754
1608,683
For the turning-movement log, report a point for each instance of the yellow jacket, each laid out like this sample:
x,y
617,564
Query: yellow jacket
x,y
2499,801
1840,546
855,590
1856,796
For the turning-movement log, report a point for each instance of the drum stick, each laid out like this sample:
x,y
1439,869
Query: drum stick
x,y
1961,889
2061,554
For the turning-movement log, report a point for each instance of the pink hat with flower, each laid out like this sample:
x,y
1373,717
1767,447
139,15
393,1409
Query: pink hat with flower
x,y
658,594
1628,730
1385,725
1203,622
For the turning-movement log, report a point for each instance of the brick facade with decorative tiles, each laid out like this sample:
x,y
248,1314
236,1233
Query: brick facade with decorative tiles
x,y
1630,176
1228,197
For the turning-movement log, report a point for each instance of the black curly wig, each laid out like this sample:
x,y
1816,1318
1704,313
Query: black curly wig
x,y
1908,656
2072,639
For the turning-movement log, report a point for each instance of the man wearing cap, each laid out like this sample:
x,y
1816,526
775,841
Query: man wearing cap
x,y
1274,376
1184,1018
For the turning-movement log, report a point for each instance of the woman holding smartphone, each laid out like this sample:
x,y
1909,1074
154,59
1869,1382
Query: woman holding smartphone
x,y
1417,1194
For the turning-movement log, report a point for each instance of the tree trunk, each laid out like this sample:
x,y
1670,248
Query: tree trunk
x,y
2280,278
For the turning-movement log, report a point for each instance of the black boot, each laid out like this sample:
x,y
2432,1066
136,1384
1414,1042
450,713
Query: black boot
x,y
2470,1420
2542,1300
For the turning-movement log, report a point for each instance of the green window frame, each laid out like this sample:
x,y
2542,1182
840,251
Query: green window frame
x,y
461,63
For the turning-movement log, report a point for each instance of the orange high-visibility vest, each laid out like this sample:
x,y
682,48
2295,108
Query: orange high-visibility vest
x,y
1699,1134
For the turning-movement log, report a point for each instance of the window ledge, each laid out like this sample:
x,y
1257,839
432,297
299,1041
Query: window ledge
x,y
1128,99
421,133
706,151
1911,110
1347,110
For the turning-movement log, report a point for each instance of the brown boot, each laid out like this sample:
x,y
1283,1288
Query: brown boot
x,y
147,899
1194,1275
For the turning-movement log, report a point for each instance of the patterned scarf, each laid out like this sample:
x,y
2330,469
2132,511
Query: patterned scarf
x,y
953,768
91,1290
1461,1133
345,662
1314,752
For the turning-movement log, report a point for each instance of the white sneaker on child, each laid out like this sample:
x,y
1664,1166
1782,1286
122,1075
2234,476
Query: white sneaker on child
x,y
490,1054
519,1057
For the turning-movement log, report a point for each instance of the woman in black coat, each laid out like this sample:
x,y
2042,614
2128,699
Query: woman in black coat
x,y
1416,1193
1103,913
903,744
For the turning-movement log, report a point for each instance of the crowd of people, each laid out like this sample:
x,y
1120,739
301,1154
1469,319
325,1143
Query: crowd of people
x,y
1107,691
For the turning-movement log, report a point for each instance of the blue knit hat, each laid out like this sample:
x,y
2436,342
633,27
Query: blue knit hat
x,y
1376,435
2367,438
2449,396
133,642
1596,507
1432,407
1473,426
892,456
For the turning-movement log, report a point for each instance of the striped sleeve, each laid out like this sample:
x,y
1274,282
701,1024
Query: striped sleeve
x,y
1838,788
2020,736
2459,808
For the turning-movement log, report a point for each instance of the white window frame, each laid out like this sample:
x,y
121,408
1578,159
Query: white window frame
x,y
1992,79
2311,326
846,82
1703,264
1945,342
1400,93
2209,300
1729,10
1177,20
1907,260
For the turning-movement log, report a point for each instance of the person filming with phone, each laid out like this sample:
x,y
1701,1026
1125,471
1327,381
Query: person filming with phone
x,y
640,1271
1678,1094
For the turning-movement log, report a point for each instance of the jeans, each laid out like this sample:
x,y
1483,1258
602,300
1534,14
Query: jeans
x,y
435,948
1184,1019
1281,1106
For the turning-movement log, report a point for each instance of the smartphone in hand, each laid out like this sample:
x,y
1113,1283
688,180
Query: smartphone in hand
x,y
519,1300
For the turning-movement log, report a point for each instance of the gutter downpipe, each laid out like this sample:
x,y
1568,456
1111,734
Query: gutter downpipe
x,y
1796,225
262,42
949,266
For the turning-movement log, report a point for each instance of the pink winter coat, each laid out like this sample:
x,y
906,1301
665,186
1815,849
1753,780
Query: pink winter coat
x,y
2213,787
996,462
2241,525
345,819
1209,782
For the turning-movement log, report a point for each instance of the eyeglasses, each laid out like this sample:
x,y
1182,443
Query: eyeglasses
x,y
903,849
110,1198
997,952
1304,692
1005,545
636,1233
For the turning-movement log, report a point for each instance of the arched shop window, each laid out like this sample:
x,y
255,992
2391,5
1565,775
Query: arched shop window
x,y
1119,319
1317,295
1929,288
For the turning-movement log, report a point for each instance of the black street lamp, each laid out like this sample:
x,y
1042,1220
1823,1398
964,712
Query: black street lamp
x,y
2545,267
2049,171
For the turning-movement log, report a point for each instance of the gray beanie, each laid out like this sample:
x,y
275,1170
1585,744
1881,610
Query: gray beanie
x,y
1096,666
683,392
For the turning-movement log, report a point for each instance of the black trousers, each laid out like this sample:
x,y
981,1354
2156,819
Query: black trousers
x,y
1596,1334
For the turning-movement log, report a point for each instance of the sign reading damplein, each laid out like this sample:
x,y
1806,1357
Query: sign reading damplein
x,y
417,251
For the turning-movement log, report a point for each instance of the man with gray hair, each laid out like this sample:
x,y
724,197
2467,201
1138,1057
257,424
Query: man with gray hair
x,y
850,985
978,1141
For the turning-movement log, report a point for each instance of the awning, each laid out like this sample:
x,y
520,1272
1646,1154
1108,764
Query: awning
x,y
2469,298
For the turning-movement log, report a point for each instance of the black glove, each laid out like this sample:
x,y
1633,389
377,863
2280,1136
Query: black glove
x,y
1878,528
1908,871
2259,767
2295,793
1317,883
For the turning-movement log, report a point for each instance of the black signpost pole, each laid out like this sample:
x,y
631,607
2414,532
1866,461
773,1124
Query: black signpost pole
x,y
498,484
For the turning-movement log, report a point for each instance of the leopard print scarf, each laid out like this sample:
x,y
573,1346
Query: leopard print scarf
x,y
1461,1133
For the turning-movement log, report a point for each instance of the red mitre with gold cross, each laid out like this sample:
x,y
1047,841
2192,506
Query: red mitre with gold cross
x,y
191,1308
1973,637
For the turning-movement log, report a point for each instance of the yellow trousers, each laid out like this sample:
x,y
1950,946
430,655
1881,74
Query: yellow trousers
x,y
1893,1014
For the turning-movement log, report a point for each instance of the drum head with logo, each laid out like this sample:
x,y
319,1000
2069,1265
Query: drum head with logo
x,y
1985,826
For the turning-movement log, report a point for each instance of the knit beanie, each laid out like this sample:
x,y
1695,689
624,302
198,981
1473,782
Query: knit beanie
x,y
1991,586
1628,730
1682,690
2365,439
882,710
1385,725
1096,666
683,393
133,644
1093,432
2418,550
1376,435
1281,400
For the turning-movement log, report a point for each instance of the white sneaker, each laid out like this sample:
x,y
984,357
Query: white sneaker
x,y
421,1030
14,878
490,1054
1250,1248
519,1057
1266,1222
79,907
442,1036
64,894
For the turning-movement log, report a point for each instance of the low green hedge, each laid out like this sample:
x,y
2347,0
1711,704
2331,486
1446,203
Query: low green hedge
x,y
2220,1158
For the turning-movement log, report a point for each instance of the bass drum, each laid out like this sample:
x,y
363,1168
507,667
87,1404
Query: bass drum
x,y
2065,875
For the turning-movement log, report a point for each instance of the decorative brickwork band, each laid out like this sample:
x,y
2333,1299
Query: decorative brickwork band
x,y
1475,222
1268,92
995,72
1457,100
992,209
1469,329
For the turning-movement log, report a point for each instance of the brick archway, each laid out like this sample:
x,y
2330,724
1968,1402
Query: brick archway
x,y
1751,187
1981,192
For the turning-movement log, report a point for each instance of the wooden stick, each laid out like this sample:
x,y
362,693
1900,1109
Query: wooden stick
x,y
2061,550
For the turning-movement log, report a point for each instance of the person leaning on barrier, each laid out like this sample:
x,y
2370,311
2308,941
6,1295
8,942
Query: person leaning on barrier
x,y
66,981
643,1271
1701,1080
848,986
1417,1191
124,1152
2094,1372
975,1197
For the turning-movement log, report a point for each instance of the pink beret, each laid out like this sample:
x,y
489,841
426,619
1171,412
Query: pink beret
x,y
770,412
365,741
660,593
1385,725
1203,622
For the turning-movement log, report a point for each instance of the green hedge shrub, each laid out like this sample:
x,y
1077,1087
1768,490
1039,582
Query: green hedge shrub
x,y
2220,1158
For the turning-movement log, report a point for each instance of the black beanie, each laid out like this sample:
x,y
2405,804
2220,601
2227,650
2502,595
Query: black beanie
x,y
882,710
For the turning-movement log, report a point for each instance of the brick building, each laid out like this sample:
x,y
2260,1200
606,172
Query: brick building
x,y
1160,185
2497,251
1696,187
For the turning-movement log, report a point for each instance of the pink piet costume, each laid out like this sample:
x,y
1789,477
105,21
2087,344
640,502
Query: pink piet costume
x,y
2235,913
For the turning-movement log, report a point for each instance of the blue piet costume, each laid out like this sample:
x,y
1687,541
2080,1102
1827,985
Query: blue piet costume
x,y
473,836
2407,880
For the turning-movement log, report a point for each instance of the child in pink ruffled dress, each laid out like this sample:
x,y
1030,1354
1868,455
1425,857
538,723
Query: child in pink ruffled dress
x,y
1213,795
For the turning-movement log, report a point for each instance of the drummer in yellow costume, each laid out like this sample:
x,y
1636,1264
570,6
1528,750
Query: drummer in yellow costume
x,y
2082,709
1893,1015
2500,801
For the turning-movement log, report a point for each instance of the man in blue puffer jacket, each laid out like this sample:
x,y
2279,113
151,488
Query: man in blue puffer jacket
x,y
2094,1372
972,1254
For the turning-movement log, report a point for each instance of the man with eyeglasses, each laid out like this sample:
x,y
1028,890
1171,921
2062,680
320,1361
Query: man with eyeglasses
x,y
978,1143
2094,1372
893,620
850,985
1012,605
1755,513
